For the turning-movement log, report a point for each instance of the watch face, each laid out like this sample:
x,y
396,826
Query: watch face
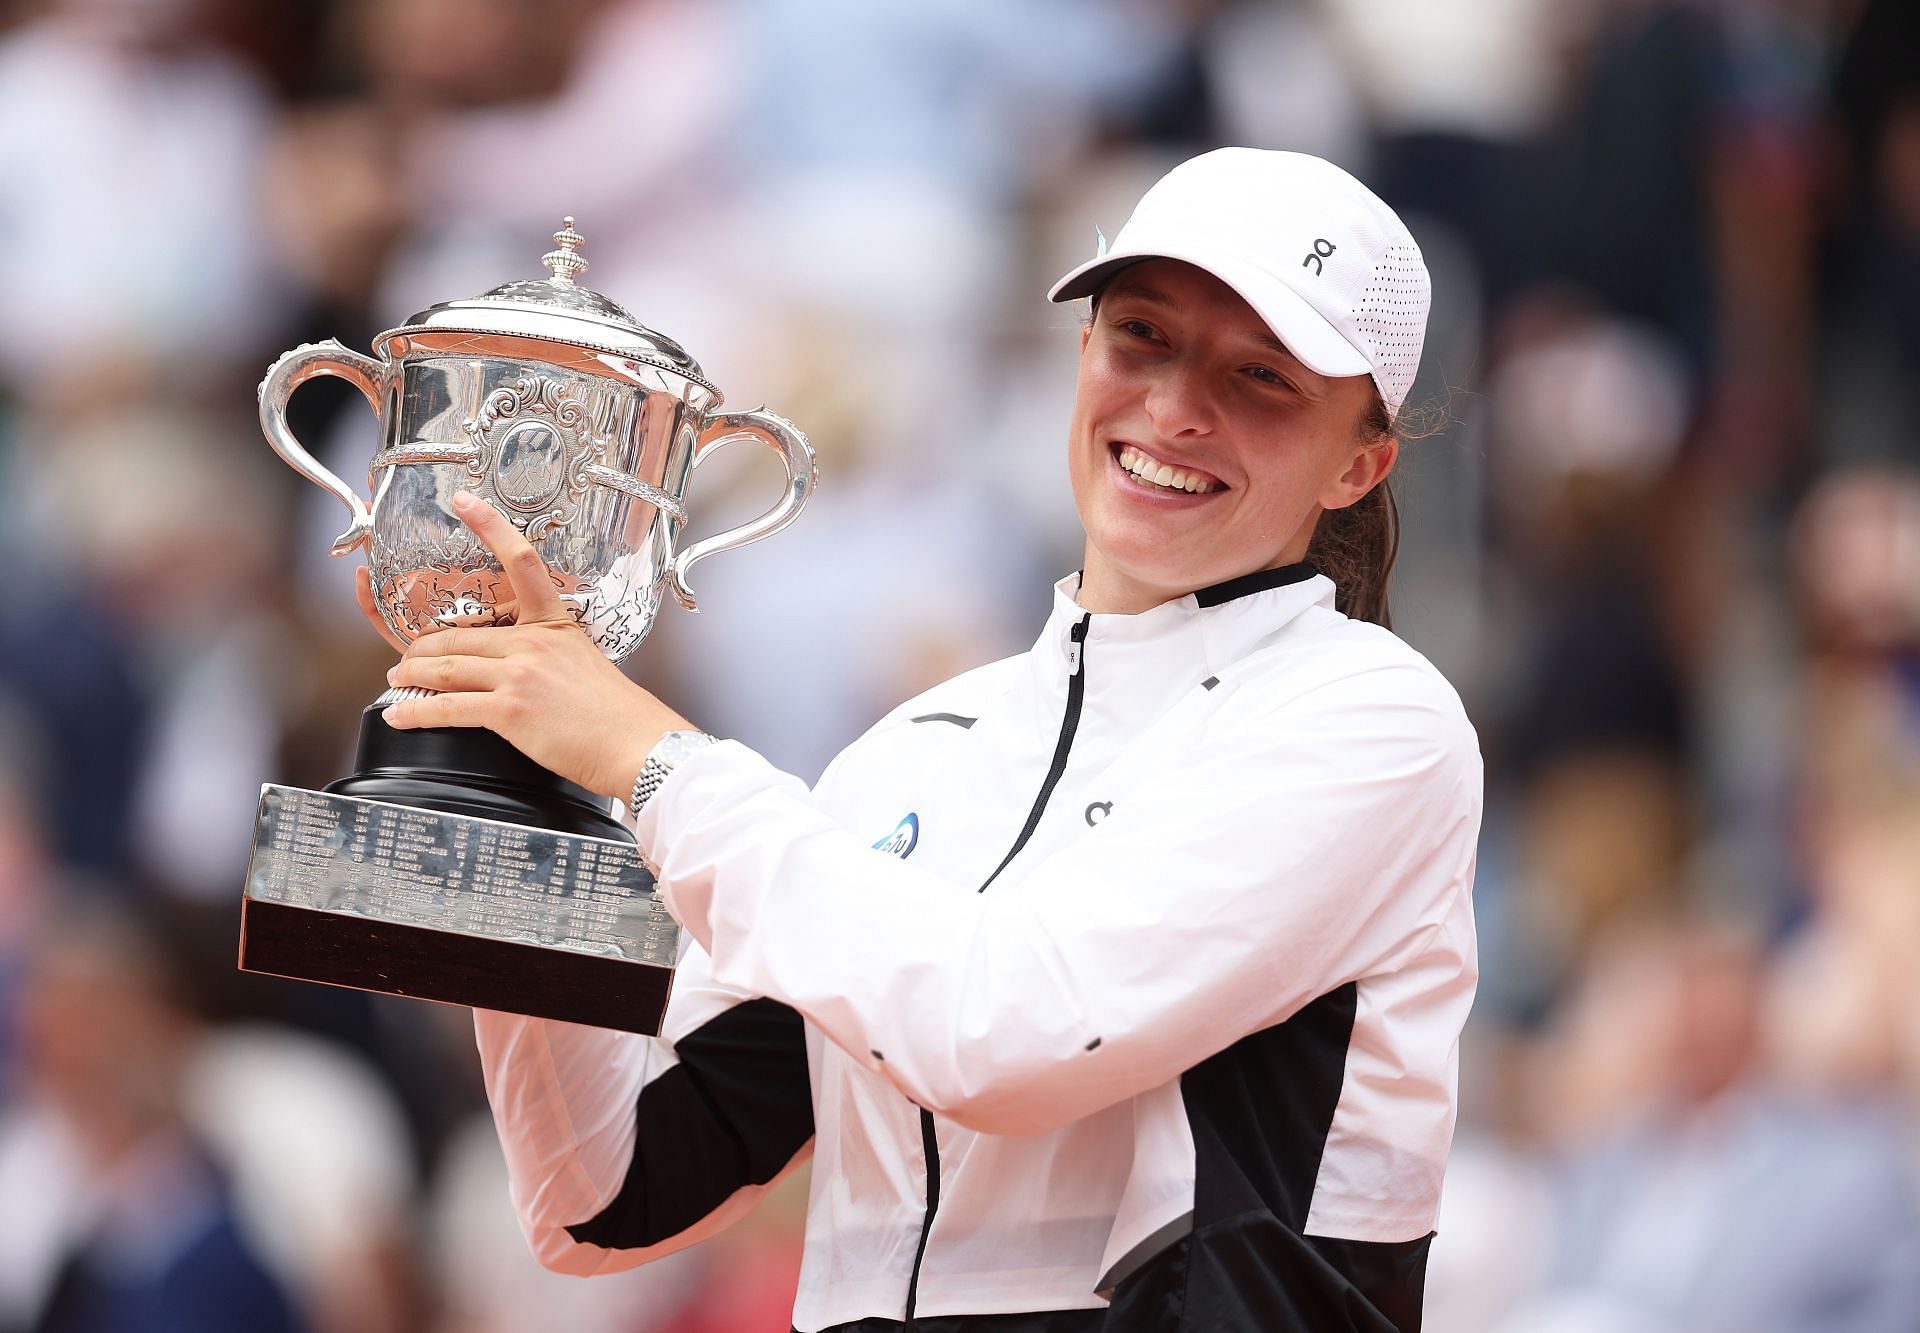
x,y
677,745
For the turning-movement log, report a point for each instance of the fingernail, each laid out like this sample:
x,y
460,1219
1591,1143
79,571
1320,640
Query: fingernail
x,y
391,673
386,714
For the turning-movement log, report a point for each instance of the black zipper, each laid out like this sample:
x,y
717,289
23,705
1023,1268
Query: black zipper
x,y
1069,723
931,1147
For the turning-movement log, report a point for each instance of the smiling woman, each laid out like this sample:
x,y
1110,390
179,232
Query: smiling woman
x,y
1202,449
1114,987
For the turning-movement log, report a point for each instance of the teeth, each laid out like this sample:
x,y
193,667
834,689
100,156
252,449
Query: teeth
x,y
1160,474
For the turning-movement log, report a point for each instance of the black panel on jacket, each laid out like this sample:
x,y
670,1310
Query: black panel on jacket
x,y
1250,1274
1261,1109
1260,1112
1392,1275
732,1113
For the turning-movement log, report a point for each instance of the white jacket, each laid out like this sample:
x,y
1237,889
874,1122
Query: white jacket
x,y
1208,1003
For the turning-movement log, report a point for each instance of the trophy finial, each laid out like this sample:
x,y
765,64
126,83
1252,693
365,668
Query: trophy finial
x,y
565,263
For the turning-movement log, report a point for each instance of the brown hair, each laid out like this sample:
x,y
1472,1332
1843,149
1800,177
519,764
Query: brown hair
x,y
1356,546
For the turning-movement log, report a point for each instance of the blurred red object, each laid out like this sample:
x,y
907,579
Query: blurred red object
x,y
750,1290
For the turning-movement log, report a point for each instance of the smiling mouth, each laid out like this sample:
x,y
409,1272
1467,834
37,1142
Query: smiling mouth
x,y
1155,475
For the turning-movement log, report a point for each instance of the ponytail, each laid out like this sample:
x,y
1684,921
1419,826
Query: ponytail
x,y
1356,546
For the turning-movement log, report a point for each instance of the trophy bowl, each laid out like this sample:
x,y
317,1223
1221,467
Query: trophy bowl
x,y
584,427
564,412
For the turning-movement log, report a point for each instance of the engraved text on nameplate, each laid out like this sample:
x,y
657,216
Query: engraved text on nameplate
x,y
451,872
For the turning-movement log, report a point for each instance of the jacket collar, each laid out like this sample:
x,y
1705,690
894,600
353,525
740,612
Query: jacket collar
x,y
1219,594
1228,618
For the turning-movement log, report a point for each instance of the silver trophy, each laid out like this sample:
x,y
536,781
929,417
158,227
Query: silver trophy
x,y
449,866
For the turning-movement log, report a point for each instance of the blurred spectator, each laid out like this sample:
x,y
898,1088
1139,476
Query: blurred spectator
x,y
25,870
741,1281
485,1280
887,591
102,103
969,98
1871,360
72,717
117,1217
1719,1202
1627,209
1459,97
1279,82
1587,415
317,1150
173,539
1848,995
1492,1240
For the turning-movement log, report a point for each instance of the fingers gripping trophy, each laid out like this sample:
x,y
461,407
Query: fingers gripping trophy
x,y
448,865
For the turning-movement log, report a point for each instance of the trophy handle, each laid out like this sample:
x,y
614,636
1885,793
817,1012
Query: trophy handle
x,y
303,363
779,435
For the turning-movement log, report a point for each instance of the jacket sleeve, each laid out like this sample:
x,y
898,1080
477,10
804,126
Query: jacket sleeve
x,y
622,1148
1292,850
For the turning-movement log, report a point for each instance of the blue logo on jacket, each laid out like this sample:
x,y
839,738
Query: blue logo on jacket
x,y
904,838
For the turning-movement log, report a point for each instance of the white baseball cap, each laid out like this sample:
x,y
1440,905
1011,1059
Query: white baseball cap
x,y
1333,271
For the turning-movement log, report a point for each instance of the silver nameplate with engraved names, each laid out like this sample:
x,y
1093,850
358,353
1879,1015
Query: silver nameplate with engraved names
x,y
387,897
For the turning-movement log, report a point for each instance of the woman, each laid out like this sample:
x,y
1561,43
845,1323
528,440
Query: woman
x,y
1114,986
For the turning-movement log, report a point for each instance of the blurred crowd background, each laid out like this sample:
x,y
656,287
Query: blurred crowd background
x,y
1662,531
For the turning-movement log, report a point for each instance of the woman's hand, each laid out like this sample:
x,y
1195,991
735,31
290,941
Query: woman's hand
x,y
539,682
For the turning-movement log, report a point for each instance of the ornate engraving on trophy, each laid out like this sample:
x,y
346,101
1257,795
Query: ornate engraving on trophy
x,y
430,571
637,489
528,474
425,452
546,446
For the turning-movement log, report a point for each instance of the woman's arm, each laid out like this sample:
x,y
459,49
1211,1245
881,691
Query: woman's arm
x,y
1306,843
622,1148
1327,839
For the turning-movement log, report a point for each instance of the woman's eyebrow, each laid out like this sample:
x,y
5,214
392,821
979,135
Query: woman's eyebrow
x,y
1273,344
1150,294
1264,337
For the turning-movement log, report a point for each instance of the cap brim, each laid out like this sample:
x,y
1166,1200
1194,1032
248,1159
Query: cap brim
x,y
1304,330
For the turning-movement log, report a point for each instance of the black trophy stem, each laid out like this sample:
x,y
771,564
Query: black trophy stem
x,y
471,771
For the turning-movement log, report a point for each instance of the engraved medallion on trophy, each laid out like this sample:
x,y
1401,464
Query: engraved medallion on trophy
x,y
447,865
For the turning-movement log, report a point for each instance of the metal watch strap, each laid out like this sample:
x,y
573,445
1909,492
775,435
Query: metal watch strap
x,y
667,752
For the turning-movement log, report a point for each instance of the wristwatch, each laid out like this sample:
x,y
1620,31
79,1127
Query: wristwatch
x,y
665,756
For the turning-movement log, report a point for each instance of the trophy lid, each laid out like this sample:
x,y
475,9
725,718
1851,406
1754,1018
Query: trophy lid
x,y
557,309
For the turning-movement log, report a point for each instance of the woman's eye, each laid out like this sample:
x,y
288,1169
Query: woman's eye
x,y
1268,376
1139,328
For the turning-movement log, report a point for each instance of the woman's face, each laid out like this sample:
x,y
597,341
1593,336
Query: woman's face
x,y
1179,378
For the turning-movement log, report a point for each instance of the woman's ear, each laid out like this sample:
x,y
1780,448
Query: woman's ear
x,y
1369,466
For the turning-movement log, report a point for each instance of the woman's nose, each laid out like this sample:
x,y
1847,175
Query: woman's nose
x,y
1178,404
